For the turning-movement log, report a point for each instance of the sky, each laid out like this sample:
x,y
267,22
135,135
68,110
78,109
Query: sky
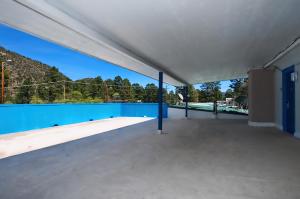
x,y
71,63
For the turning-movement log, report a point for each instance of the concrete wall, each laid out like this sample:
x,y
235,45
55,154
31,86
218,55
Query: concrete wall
x,y
23,117
261,97
175,113
292,58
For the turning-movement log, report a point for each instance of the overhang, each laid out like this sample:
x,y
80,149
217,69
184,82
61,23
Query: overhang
x,y
190,41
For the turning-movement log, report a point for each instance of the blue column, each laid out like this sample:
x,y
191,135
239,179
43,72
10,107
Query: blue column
x,y
186,100
160,102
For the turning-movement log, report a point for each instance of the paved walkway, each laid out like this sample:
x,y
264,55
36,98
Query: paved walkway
x,y
209,159
17,143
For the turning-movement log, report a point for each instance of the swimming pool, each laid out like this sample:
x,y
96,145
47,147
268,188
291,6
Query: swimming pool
x,y
23,117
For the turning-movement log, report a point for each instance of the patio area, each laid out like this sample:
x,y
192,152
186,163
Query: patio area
x,y
21,142
198,158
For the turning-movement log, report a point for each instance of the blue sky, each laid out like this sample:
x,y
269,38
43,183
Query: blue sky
x,y
73,64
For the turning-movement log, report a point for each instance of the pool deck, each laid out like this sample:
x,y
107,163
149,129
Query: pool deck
x,y
197,159
21,142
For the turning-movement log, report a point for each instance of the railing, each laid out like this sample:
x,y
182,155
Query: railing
x,y
209,107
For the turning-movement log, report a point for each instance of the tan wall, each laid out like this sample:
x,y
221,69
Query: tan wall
x,y
262,95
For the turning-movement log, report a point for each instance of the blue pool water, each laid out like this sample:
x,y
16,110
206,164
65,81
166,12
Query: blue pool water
x,y
22,117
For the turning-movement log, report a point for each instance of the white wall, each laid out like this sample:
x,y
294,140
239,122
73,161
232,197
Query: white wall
x,y
278,99
292,58
175,113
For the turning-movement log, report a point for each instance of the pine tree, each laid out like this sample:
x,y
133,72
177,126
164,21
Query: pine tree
x,y
211,91
150,93
55,89
138,92
127,92
193,94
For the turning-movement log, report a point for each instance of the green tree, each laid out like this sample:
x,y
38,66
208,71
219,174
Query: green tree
x,y
172,98
7,96
36,100
202,96
84,86
99,87
193,94
109,89
55,88
95,88
229,93
211,91
165,94
42,92
25,92
138,92
240,90
241,100
116,96
118,84
127,91
150,93
239,86
77,95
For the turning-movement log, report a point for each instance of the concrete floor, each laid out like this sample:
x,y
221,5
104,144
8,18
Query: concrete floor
x,y
22,142
197,159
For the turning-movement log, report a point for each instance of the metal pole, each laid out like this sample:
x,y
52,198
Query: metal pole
x,y
160,102
106,92
216,108
2,83
64,90
186,100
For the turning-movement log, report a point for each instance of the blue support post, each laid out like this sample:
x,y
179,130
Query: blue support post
x,y
186,100
160,102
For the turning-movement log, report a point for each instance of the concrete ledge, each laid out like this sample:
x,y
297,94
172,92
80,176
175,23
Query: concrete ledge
x,y
279,127
177,113
297,134
261,124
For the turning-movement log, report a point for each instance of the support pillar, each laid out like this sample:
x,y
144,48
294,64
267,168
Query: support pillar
x,y
261,97
2,83
160,102
186,100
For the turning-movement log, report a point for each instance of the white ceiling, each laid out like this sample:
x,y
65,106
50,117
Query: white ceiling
x,y
192,41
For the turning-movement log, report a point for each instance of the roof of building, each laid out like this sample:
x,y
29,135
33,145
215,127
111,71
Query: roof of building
x,y
190,41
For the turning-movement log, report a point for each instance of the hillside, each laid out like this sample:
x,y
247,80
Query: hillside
x,y
22,68
30,81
